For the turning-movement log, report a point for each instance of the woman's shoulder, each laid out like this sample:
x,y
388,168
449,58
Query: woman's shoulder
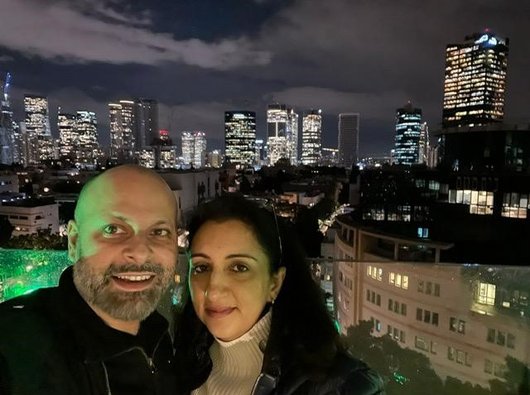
x,y
345,376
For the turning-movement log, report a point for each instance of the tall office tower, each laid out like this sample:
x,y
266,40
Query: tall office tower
x,y
22,143
311,138
348,139
292,136
67,137
8,152
278,123
128,126
194,149
424,144
86,129
116,131
41,145
259,153
475,80
122,127
188,147
240,137
146,123
407,139
199,149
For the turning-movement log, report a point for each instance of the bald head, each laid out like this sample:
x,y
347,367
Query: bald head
x,y
127,182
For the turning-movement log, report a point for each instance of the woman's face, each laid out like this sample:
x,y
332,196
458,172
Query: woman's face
x,y
229,278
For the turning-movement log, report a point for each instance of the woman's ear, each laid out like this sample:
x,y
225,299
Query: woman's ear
x,y
276,283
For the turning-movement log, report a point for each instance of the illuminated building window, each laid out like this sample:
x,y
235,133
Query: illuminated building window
x,y
457,325
485,294
515,205
398,280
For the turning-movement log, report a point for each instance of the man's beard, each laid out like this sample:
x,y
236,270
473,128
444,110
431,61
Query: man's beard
x,y
96,289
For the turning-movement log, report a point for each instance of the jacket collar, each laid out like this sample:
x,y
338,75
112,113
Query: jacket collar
x,y
95,340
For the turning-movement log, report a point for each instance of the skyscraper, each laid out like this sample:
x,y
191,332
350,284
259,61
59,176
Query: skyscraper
x,y
240,137
475,80
116,131
122,127
348,139
67,136
87,138
199,149
37,122
407,139
424,146
194,149
282,132
8,151
311,138
146,122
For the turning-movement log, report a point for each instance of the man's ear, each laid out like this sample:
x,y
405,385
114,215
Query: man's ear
x,y
277,281
73,235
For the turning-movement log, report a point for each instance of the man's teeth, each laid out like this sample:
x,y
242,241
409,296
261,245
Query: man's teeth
x,y
132,278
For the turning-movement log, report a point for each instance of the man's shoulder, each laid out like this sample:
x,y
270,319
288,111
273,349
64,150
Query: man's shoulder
x,y
26,309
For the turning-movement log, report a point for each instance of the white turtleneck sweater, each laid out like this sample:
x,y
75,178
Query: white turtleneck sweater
x,y
237,363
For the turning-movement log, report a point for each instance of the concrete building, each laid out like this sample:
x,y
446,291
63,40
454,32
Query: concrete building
x,y
30,216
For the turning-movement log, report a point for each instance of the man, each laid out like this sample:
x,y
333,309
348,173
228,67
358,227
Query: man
x,y
98,332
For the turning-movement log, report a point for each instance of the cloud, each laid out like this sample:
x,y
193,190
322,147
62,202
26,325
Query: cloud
x,y
6,58
370,105
66,34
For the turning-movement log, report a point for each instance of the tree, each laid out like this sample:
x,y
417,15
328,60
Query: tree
x,y
6,229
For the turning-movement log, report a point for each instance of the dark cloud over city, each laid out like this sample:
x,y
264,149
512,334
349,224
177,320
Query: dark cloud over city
x,y
201,57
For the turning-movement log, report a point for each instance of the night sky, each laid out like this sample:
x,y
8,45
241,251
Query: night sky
x,y
199,58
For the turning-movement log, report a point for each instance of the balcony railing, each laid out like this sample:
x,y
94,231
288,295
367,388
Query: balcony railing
x,y
436,328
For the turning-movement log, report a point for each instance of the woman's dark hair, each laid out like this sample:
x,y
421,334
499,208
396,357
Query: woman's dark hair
x,y
302,332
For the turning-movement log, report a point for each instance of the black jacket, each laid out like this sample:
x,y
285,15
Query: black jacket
x,y
51,342
345,376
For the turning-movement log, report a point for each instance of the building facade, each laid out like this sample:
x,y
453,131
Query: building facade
x,y
40,142
312,138
146,123
348,139
282,134
8,151
408,135
194,149
87,147
240,137
475,80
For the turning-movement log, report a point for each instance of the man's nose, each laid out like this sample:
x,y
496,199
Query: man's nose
x,y
138,249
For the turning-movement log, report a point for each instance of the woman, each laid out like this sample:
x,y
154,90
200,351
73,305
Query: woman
x,y
256,322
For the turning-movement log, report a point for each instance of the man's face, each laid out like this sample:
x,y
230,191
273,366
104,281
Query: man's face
x,y
125,248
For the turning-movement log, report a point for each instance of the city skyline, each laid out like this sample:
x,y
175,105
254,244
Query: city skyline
x,y
84,55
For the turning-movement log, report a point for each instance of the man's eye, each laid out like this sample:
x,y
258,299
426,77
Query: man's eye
x,y
240,267
161,232
111,230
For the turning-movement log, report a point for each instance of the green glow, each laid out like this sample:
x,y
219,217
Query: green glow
x,y
23,271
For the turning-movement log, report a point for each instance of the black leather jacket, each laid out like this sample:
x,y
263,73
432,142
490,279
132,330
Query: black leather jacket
x,y
51,342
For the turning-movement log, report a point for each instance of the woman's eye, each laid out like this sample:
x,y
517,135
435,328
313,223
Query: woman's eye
x,y
111,230
199,268
240,267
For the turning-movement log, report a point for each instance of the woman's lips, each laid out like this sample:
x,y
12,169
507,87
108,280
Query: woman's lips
x,y
218,312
